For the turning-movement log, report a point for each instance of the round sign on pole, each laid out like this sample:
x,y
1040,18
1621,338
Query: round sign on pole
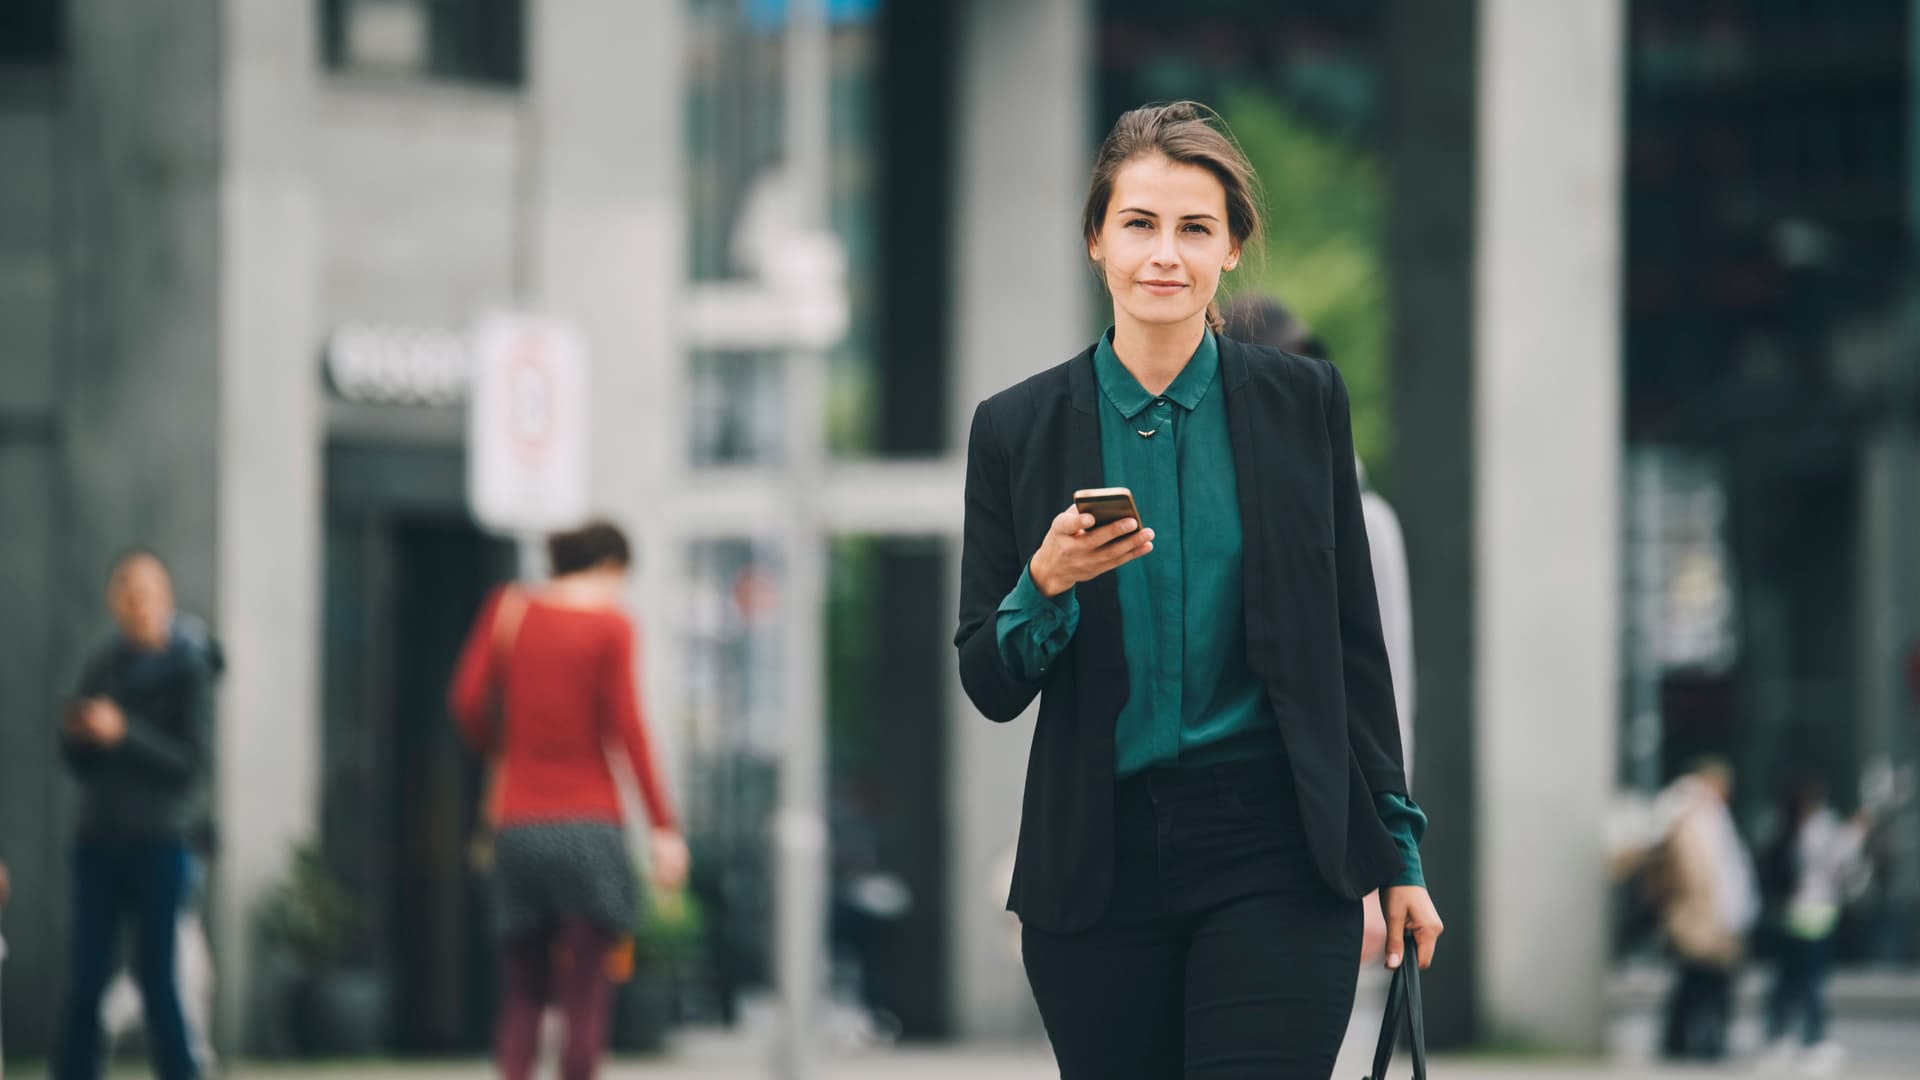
x,y
527,425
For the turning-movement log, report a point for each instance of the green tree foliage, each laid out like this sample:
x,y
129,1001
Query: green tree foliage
x,y
1325,257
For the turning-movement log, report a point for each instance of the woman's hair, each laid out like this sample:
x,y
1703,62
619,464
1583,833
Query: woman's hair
x,y
589,546
1185,133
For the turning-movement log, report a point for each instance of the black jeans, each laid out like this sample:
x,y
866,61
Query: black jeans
x,y
112,879
1801,984
1699,1010
1221,956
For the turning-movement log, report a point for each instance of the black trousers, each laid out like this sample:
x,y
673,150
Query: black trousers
x,y
1222,954
1699,1011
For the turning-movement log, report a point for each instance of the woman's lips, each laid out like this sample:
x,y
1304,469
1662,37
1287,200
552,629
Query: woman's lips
x,y
1162,288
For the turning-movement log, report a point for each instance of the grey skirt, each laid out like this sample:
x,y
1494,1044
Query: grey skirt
x,y
548,873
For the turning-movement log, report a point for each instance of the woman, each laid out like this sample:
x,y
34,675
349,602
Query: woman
x,y
1809,866
544,685
1215,778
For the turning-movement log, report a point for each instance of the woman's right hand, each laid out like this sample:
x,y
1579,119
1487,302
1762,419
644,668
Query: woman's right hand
x,y
1074,551
669,860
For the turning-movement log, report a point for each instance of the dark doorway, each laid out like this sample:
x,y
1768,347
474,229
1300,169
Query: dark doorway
x,y
405,573
445,989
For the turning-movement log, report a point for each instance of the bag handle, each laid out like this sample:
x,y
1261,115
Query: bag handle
x,y
1403,998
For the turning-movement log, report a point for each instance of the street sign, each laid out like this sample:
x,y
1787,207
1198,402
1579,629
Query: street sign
x,y
527,425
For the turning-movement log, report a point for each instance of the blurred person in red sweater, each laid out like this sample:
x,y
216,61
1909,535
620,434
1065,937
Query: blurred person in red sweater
x,y
545,684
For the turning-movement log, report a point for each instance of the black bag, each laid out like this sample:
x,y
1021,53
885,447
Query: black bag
x,y
1403,998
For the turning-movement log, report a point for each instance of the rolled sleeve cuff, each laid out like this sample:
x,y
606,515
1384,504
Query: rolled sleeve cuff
x,y
1027,597
1033,628
1406,823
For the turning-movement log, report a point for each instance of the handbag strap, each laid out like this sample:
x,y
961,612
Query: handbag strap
x,y
1403,999
1416,1012
506,630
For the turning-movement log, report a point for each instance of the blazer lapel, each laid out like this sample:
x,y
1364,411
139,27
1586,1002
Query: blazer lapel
x,y
1098,638
1252,478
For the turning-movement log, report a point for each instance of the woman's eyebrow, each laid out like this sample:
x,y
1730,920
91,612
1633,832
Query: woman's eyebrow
x,y
1151,214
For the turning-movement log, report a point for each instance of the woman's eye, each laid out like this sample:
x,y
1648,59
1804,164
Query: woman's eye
x,y
1139,223
1197,228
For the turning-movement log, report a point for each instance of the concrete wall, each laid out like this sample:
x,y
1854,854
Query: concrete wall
x,y
1023,155
420,196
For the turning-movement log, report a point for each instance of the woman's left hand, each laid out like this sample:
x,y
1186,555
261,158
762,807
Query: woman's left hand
x,y
1408,907
670,859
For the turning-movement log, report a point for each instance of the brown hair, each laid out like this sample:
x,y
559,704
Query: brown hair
x,y
1185,133
591,545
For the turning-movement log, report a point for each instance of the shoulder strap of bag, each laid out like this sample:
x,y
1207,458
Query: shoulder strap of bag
x,y
1403,999
506,630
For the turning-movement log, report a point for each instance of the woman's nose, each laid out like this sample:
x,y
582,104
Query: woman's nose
x,y
1166,249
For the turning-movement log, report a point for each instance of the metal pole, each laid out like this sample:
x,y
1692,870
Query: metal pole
x,y
800,829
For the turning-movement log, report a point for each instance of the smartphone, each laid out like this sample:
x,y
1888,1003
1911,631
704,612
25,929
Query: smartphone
x,y
1107,505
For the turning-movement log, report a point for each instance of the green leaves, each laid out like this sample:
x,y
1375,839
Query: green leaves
x,y
1326,203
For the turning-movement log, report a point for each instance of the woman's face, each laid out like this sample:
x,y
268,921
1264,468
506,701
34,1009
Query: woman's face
x,y
1164,242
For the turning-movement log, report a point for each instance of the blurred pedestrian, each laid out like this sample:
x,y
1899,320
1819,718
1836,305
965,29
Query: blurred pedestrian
x,y
120,1006
545,684
1809,865
1264,320
137,738
1701,880
1216,779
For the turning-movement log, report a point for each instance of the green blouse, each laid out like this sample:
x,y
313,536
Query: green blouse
x,y
1195,700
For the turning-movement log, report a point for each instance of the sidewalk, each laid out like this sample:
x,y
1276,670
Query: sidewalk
x,y
1879,1024
986,1064
720,1056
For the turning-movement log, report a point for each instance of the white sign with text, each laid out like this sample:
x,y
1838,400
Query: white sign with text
x,y
527,425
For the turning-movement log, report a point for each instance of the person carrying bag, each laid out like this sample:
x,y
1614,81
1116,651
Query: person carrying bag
x,y
544,688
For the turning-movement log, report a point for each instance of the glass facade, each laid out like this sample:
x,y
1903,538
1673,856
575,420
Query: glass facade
x,y
1770,359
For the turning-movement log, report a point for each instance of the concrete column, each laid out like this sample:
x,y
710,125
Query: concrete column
x,y
1024,151
608,255
1546,406
1432,111
32,837
269,468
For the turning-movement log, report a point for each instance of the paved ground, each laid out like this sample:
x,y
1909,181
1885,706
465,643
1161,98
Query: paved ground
x,y
997,1065
1886,1049
1879,1024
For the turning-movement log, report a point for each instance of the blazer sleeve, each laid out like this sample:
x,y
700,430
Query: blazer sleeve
x,y
989,559
1373,726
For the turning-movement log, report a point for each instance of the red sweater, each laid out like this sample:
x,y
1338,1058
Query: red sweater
x,y
570,692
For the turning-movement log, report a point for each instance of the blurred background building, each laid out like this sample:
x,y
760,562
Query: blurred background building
x,y
1625,291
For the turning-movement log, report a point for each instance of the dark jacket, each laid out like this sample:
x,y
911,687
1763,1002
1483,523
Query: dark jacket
x,y
1313,623
153,784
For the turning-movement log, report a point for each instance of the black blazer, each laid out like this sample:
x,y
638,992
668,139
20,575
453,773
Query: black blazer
x,y
1313,623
